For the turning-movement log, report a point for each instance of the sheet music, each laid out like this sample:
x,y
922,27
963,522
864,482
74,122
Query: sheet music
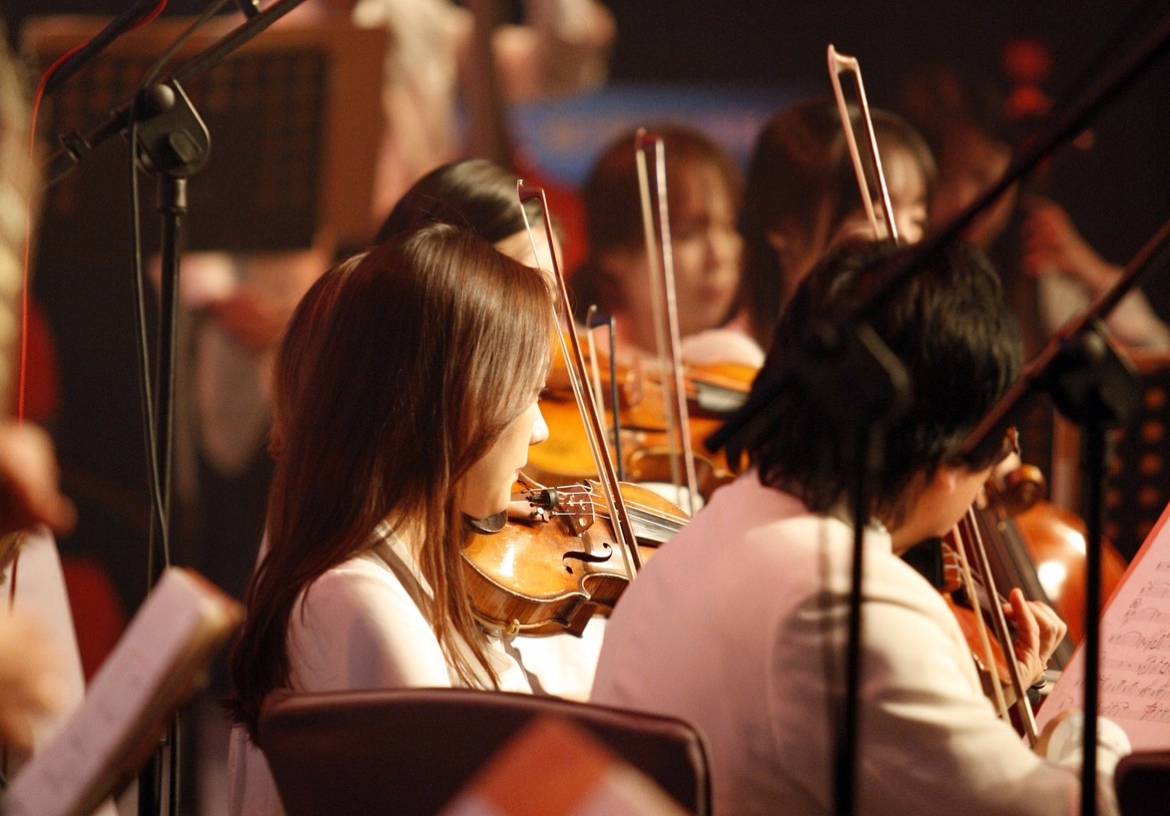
x,y
169,643
1135,651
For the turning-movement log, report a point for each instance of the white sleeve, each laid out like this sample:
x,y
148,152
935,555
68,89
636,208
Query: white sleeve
x,y
930,741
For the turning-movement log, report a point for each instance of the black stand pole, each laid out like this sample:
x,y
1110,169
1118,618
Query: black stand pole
x,y
174,143
1094,456
118,26
1095,388
863,388
845,763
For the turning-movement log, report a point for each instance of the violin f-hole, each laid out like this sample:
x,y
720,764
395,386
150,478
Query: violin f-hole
x,y
587,557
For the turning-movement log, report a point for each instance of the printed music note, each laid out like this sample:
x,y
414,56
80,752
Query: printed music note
x,y
1134,671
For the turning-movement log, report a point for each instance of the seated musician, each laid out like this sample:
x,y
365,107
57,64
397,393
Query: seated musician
x,y
802,196
478,195
739,623
416,409
704,189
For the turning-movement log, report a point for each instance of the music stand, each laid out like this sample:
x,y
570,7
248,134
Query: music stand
x,y
1138,488
295,117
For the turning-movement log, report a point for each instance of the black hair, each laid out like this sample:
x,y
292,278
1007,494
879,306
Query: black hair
x,y
475,194
952,330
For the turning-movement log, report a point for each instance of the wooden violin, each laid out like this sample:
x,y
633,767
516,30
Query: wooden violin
x,y
644,446
554,561
1040,548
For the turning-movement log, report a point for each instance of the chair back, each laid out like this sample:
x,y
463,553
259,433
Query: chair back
x,y
408,751
1142,780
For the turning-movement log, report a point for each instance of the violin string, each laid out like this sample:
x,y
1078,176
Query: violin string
x,y
651,521
633,505
648,523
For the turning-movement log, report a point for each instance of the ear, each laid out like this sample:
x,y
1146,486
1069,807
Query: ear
x,y
946,478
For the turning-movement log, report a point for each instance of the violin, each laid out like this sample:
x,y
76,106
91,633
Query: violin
x,y
554,562
712,389
642,440
990,638
1028,543
988,653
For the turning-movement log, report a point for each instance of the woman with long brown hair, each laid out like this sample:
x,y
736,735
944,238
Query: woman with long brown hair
x,y
416,411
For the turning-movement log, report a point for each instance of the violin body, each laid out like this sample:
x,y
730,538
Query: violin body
x,y
1055,539
565,456
645,449
554,571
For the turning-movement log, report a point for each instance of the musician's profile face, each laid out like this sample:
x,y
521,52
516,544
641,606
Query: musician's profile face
x,y
486,488
706,249
938,503
906,183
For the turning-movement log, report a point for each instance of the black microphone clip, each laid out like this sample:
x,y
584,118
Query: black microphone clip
x,y
250,8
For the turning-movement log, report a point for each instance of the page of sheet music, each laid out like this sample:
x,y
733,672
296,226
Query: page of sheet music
x,y
1135,651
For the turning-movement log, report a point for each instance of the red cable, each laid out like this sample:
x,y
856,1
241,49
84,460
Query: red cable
x,y
32,130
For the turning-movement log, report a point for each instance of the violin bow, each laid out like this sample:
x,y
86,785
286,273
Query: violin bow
x,y
664,304
838,64
968,584
841,63
578,377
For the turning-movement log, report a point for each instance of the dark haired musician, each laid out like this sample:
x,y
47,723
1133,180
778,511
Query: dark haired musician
x,y
740,622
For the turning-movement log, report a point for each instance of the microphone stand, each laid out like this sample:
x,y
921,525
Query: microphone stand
x,y
75,146
1095,388
114,29
173,143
